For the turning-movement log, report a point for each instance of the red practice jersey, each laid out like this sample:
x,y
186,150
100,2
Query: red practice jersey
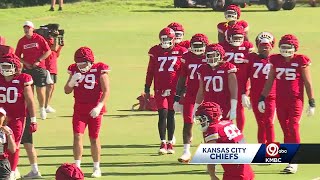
x,y
227,132
164,67
12,95
32,49
4,153
89,89
223,26
185,44
215,82
190,64
238,57
288,75
258,71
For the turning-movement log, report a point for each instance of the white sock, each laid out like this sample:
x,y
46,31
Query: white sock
x,y
96,165
163,141
186,148
34,168
170,142
78,163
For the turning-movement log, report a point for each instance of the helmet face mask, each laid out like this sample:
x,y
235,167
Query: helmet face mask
x,y
7,69
84,66
166,42
236,40
287,50
179,37
203,121
213,58
198,48
231,15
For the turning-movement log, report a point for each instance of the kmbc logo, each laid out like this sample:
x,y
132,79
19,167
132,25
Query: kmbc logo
x,y
272,149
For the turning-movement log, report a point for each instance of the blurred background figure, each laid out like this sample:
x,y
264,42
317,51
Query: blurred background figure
x,y
53,3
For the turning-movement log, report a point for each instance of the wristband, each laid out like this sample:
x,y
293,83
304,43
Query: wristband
x,y
100,105
312,103
33,120
234,104
146,89
261,98
176,98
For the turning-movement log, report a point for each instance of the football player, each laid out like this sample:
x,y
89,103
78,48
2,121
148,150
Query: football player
x,y
216,130
17,95
89,82
232,15
190,63
258,70
218,82
164,68
7,144
179,32
291,72
236,53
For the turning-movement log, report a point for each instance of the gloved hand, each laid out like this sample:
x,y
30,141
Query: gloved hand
x,y
312,107
74,80
177,107
95,112
245,101
33,125
261,104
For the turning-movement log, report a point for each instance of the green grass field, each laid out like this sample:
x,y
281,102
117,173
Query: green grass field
x,y
120,33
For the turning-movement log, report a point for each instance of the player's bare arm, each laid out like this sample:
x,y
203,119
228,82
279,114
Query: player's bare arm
x,y
221,37
67,88
28,95
269,83
150,75
307,82
11,144
105,87
212,167
200,97
181,85
233,86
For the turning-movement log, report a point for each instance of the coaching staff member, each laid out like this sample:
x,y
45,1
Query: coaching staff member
x,y
35,50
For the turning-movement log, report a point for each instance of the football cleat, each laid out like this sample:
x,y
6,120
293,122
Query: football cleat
x,y
43,113
291,169
185,158
32,175
170,148
163,148
96,173
174,140
49,109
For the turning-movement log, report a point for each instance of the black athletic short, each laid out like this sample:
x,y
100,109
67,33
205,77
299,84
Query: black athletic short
x,y
27,135
54,78
5,169
39,76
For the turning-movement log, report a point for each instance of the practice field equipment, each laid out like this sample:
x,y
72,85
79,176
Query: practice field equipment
x,y
145,103
69,172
